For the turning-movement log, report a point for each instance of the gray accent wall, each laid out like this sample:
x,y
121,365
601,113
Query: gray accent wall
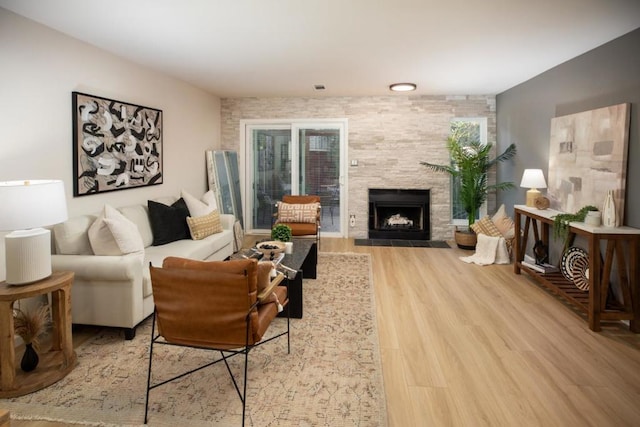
x,y
606,75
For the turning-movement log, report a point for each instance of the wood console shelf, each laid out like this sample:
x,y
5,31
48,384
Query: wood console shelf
x,y
622,245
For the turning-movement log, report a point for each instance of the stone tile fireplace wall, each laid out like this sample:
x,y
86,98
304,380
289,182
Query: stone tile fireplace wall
x,y
388,135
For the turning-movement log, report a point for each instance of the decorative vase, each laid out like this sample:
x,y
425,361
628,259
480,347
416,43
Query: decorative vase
x,y
609,211
30,359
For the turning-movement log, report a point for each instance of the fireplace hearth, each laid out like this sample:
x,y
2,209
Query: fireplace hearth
x,y
399,214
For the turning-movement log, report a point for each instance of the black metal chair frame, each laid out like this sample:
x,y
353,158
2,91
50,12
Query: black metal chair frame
x,y
225,354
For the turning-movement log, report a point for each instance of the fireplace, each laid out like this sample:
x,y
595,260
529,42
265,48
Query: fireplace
x,y
399,214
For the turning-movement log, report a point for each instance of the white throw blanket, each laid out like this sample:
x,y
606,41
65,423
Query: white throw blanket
x,y
489,250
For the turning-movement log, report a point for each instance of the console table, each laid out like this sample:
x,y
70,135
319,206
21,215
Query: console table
x,y
622,244
55,363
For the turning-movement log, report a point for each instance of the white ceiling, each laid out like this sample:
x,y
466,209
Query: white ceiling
x,y
353,47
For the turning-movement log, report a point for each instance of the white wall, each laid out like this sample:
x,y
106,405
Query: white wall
x,y
40,68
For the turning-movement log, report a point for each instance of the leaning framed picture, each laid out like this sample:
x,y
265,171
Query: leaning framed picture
x,y
116,145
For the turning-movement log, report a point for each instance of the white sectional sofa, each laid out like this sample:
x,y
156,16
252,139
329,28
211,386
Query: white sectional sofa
x,y
115,290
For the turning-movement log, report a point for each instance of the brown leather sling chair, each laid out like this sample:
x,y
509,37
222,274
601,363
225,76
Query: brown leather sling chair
x,y
214,305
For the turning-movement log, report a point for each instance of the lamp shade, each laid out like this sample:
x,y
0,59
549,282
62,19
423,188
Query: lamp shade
x,y
30,204
26,206
533,178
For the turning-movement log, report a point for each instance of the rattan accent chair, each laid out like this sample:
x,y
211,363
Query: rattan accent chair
x,y
213,305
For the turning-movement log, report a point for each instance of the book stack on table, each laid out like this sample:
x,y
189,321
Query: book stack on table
x,y
541,268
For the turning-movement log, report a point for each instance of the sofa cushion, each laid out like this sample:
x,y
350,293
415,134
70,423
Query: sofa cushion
x,y
301,228
298,212
193,249
139,215
71,236
113,234
168,223
126,235
204,206
206,225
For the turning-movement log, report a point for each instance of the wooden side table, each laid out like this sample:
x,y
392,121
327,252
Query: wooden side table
x,y
55,363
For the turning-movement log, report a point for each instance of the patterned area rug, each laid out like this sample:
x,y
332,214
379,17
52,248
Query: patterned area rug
x,y
332,377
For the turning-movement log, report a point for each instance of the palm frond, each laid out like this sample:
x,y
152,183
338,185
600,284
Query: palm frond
x,y
470,164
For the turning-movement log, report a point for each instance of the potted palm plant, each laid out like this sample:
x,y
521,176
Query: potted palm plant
x,y
470,164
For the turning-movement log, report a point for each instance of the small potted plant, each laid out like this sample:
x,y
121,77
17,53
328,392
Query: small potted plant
x,y
30,326
281,232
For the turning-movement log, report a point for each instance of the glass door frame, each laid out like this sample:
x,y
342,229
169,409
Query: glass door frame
x,y
294,125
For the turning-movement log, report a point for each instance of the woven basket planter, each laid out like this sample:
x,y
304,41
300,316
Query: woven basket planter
x,y
465,238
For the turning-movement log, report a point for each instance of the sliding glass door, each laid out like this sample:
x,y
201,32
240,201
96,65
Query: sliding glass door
x,y
294,158
318,170
269,173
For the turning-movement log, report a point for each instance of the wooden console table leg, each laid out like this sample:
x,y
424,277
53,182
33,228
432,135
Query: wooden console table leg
x,y
521,241
606,271
595,285
634,284
623,277
536,234
7,347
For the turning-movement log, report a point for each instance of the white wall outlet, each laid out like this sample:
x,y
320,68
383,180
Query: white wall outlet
x,y
354,162
352,220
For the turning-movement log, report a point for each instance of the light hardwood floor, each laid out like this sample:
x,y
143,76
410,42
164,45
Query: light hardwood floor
x,y
464,345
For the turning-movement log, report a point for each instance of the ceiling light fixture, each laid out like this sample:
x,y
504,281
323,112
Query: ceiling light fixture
x,y
402,87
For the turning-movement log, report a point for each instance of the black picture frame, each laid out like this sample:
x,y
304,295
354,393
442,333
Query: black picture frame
x,y
116,145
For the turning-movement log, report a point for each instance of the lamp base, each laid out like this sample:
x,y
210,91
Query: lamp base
x,y
28,256
531,197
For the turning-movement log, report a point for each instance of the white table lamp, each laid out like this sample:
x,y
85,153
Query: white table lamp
x,y
533,179
25,207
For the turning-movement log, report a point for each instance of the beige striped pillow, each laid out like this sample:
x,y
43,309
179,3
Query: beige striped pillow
x,y
298,212
206,225
487,227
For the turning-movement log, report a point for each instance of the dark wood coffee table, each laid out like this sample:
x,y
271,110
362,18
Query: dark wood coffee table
x,y
298,265
303,260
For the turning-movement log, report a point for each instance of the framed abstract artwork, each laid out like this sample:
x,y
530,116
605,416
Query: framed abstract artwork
x,y
116,145
588,157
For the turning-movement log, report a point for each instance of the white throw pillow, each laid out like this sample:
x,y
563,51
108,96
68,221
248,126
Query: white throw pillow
x,y
202,207
113,234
